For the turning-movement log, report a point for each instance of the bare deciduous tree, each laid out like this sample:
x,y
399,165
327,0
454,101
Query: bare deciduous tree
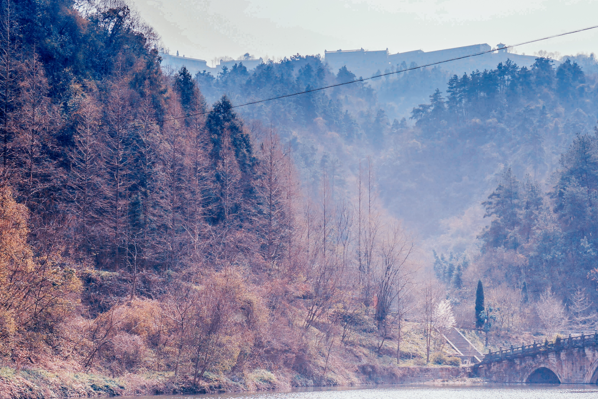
x,y
116,150
273,190
85,182
394,274
432,293
9,72
582,315
551,312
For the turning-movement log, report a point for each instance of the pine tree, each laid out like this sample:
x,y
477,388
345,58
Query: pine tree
x,y
479,306
504,204
543,73
344,75
453,101
222,120
569,76
577,187
223,125
188,92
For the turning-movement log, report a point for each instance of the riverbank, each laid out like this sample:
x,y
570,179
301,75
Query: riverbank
x,y
41,384
359,361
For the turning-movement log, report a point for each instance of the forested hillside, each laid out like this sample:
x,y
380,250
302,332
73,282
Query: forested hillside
x,y
435,161
145,231
530,134
517,117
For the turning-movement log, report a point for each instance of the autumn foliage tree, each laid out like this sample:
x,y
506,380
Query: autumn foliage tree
x,y
38,292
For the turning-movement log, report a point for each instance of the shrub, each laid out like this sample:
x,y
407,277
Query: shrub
x,y
454,361
261,376
127,353
441,359
37,293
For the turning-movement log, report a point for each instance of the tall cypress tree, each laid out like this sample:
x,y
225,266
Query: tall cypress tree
x,y
479,306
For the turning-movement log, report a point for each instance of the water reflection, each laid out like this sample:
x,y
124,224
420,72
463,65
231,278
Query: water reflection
x,y
418,392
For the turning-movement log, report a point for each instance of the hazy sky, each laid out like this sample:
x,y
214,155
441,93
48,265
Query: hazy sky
x,y
208,29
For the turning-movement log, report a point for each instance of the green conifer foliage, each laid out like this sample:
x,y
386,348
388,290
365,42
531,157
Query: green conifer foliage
x,y
222,120
187,90
504,205
479,305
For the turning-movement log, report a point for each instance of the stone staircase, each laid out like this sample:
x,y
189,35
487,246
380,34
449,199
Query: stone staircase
x,y
467,352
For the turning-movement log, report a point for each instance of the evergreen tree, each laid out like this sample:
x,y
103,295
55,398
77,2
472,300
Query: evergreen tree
x,y
453,90
575,193
525,82
344,75
479,306
569,77
543,73
437,112
223,120
504,205
223,125
185,87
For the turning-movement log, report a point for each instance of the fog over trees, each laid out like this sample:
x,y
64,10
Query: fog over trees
x,y
146,224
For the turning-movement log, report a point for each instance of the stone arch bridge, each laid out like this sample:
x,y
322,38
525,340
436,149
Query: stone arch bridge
x,y
572,360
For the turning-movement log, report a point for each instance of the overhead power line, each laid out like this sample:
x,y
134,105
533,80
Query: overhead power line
x,y
393,73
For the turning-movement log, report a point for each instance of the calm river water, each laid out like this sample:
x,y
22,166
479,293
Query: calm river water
x,y
420,392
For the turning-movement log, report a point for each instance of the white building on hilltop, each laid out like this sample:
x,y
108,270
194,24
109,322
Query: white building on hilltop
x,y
195,65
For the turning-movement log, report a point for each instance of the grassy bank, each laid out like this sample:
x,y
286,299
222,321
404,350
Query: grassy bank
x,y
41,384
360,359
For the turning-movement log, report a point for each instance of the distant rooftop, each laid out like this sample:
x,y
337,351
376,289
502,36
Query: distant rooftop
x,y
361,50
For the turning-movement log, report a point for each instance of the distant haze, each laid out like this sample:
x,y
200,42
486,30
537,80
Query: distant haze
x,y
210,29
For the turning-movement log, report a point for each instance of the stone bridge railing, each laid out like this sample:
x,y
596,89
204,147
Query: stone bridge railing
x,y
559,344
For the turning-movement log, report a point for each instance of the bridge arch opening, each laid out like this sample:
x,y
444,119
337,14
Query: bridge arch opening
x,y
594,379
543,375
